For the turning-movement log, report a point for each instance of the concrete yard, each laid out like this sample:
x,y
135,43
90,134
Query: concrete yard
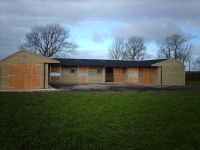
x,y
113,87
106,87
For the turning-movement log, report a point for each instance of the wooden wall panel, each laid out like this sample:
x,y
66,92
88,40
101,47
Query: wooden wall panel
x,y
118,75
132,80
171,72
94,77
83,79
36,76
132,69
83,69
55,73
7,81
12,76
173,75
55,68
67,76
19,76
55,79
24,76
28,76
147,75
132,75
83,74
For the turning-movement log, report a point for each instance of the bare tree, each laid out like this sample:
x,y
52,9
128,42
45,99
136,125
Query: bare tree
x,y
49,40
116,50
176,46
131,49
196,64
135,48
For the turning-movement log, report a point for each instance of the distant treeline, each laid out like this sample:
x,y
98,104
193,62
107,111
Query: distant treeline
x,y
192,76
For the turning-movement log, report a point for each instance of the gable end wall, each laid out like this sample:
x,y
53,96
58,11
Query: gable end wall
x,y
172,72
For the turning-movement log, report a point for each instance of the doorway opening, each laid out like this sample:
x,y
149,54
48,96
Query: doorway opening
x,y
109,74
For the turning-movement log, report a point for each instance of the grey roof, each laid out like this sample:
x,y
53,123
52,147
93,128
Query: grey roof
x,y
106,63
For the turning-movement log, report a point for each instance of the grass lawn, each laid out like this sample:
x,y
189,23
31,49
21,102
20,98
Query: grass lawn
x,y
163,120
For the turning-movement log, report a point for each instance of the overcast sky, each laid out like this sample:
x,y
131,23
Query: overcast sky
x,y
94,23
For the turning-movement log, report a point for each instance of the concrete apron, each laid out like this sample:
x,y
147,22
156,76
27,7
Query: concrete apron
x,y
80,87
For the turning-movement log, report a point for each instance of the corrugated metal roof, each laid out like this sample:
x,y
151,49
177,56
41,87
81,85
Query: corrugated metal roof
x,y
106,63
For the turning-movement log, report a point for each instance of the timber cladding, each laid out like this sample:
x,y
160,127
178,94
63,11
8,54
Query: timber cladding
x,y
148,75
83,74
80,74
119,75
125,75
25,76
22,76
173,75
55,73
96,75
132,75
55,68
69,74
171,72
24,70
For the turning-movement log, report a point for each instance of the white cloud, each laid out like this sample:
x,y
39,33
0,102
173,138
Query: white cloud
x,y
152,19
154,30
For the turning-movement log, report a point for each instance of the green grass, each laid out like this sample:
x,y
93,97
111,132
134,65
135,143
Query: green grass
x,y
163,120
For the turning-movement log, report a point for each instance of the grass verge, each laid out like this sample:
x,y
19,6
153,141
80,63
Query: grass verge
x,y
100,120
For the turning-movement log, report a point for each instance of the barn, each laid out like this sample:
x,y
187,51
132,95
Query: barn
x,y
26,70
151,72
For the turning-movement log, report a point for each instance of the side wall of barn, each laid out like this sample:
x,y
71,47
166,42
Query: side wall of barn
x,y
96,75
10,80
172,72
80,74
85,74
24,70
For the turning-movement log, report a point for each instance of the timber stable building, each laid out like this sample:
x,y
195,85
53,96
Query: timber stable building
x,y
25,70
